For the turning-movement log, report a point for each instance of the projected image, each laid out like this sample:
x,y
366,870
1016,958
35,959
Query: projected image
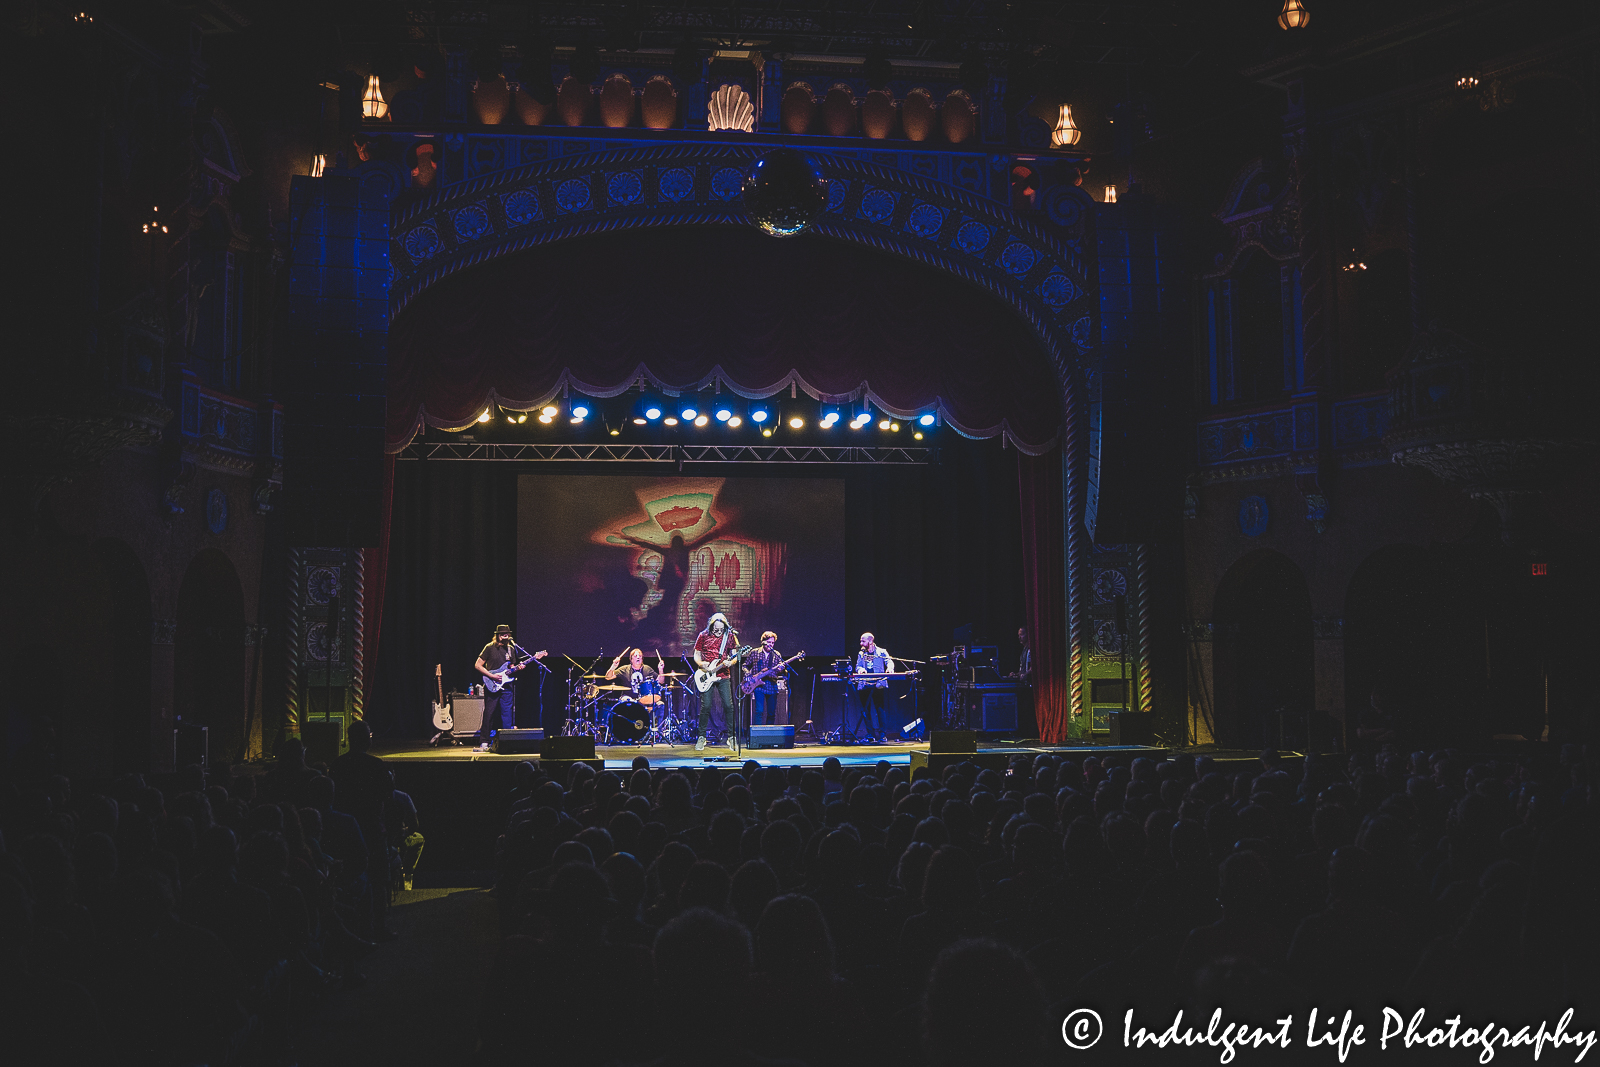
x,y
647,561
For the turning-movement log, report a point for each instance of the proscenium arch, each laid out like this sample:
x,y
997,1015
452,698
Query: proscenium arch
x,y
987,244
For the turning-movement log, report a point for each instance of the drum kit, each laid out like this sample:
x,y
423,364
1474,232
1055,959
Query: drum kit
x,y
661,712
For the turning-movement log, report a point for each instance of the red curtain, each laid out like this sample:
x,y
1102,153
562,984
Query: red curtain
x,y
377,578
1044,580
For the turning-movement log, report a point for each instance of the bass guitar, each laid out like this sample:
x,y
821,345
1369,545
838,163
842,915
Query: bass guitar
x,y
753,681
508,674
706,677
442,719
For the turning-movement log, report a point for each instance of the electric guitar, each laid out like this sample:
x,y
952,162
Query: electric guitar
x,y
442,719
508,674
753,681
706,677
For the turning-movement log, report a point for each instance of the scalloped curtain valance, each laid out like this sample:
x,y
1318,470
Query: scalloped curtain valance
x,y
688,307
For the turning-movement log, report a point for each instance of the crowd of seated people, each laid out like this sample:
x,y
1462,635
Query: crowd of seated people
x,y
187,919
823,916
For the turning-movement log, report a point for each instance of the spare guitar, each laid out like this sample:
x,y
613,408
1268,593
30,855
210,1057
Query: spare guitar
x,y
508,674
753,681
706,677
442,719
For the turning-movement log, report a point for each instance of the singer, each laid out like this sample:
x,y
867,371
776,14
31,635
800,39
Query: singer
x,y
873,693
499,662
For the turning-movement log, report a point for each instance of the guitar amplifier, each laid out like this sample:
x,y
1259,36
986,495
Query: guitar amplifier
x,y
467,711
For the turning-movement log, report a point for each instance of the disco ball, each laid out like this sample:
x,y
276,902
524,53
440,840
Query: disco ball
x,y
784,192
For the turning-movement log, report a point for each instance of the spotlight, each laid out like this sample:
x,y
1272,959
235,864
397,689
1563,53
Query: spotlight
x,y
917,435
669,421
758,415
547,419
766,433
883,424
639,422
616,433
926,420
522,417
485,416
723,414
651,412
895,426
796,422
575,420
551,410
580,412
734,422
701,420
689,414
857,423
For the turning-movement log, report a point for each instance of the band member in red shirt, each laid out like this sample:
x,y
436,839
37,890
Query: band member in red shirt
x,y
715,646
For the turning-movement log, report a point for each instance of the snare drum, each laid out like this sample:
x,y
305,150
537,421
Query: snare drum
x,y
629,721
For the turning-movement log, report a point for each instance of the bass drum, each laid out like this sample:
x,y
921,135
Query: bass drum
x,y
630,721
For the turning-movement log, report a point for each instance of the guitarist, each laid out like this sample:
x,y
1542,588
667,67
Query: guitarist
x,y
500,659
764,700
714,643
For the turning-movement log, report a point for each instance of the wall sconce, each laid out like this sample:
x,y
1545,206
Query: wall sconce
x,y
1467,82
1111,194
1066,133
372,103
1294,15
319,163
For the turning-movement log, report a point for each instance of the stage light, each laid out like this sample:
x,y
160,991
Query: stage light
x,y
917,435
702,421
758,415
856,423
616,433
580,412
723,414
796,422
652,412
485,416
522,418
669,421
547,419
639,421
926,420
735,422
689,414
883,424
766,433
895,426
551,410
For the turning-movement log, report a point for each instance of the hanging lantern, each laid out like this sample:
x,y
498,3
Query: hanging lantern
x,y
1066,134
372,104
1111,194
319,163
1294,15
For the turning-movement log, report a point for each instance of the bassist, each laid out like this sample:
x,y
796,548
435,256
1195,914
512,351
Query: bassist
x,y
714,648
764,698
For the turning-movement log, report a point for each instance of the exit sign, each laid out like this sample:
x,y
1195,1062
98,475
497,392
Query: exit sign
x,y
1539,570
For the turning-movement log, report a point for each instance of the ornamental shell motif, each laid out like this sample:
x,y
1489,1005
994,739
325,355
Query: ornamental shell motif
x,y
730,109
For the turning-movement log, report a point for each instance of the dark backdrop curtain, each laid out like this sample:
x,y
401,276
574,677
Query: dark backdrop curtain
x,y
377,570
684,307
927,549
1044,583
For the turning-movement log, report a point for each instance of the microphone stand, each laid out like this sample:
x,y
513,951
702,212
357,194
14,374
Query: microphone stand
x,y
540,664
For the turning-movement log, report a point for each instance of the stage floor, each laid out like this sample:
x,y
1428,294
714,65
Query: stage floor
x,y
621,757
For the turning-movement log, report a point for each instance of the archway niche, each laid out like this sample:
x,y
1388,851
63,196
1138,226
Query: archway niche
x,y
127,626
1263,655
209,657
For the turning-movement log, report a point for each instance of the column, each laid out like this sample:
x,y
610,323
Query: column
x,y
1327,666
163,683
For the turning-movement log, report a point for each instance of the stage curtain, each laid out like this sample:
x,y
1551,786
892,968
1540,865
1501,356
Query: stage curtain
x,y
377,575
1044,582
682,309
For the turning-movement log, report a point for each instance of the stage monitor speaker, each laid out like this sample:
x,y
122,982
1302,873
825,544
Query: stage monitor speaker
x,y
190,746
467,711
325,739
1132,728
953,741
772,737
568,748
506,741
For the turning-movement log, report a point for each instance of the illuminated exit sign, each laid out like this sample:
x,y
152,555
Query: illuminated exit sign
x,y
1539,570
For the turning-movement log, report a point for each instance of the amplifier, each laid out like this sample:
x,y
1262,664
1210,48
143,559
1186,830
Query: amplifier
x,y
990,708
467,711
772,737
518,740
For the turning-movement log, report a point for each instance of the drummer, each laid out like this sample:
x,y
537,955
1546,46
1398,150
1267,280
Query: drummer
x,y
640,677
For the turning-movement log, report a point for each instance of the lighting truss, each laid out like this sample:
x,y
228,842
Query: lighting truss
x,y
677,454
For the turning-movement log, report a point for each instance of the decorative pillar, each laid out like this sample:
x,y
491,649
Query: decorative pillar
x,y
163,683
1141,626
1077,725
255,639
1202,683
358,634
294,642
1327,669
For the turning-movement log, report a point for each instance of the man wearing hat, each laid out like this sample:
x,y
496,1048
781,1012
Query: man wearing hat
x,y
500,659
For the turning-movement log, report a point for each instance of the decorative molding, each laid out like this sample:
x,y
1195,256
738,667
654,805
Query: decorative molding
x,y
1141,627
254,634
359,636
54,448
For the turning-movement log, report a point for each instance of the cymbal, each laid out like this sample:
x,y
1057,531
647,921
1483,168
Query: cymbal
x,y
671,674
612,688
594,676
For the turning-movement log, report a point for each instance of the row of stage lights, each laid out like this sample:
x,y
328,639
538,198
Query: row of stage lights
x,y
763,416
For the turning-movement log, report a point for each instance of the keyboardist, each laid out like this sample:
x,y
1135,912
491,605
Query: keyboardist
x,y
873,693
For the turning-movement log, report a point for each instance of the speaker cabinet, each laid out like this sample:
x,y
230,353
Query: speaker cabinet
x,y
325,739
508,741
467,711
772,737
